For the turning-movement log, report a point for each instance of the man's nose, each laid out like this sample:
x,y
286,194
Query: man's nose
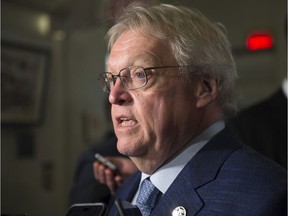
x,y
119,94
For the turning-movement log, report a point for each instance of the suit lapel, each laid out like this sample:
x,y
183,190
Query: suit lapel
x,y
176,196
200,170
209,160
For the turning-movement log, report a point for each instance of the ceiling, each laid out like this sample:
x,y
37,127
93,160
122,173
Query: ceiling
x,y
80,13
58,7
81,9
49,6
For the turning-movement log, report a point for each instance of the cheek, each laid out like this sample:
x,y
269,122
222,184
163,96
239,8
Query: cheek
x,y
172,110
162,111
147,111
155,114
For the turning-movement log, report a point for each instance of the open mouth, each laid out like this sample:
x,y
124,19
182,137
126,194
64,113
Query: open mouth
x,y
126,122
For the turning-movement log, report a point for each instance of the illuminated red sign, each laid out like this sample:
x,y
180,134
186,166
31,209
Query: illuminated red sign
x,y
259,41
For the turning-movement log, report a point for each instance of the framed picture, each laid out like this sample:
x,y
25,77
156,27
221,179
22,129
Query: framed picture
x,y
23,70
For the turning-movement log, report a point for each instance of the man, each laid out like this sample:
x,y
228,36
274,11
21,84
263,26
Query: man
x,y
171,85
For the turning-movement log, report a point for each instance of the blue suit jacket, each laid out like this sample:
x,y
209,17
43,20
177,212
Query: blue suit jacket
x,y
224,178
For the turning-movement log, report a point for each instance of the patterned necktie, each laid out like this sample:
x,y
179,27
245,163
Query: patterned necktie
x,y
147,197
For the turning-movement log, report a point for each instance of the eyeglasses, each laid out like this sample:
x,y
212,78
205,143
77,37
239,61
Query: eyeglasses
x,y
133,77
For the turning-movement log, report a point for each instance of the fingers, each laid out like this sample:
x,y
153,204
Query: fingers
x,y
125,168
110,181
105,176
99,172
118,180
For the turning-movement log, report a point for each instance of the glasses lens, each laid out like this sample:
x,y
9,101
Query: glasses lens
x,y
133,77
106,81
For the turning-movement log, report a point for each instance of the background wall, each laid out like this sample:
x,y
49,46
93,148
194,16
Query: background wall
x,y
72,33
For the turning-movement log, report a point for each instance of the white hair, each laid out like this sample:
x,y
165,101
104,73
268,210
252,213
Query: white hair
x,y
194,40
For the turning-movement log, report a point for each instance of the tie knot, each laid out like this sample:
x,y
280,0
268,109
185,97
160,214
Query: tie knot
x,y
147,197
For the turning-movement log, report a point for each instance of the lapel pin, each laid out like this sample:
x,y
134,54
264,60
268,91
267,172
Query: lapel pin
x,y
179,211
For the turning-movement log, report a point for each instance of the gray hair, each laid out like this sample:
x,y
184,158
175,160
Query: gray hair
x,y
194,40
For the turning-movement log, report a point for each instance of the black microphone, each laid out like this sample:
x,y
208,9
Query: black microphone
x,y
87,209
125,208
119,206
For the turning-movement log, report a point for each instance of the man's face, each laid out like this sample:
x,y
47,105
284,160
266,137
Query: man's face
x,y
155,121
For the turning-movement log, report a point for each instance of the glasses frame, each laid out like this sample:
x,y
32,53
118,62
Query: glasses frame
x,y
106,85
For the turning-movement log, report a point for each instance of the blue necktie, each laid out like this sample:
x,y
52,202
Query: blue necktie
x,y
146,199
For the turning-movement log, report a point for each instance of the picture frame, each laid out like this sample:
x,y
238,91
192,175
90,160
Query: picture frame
x,y
23,73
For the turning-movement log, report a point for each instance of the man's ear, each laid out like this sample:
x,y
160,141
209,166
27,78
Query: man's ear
x,y
207,92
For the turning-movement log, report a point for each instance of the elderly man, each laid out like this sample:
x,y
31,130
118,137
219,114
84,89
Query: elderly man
x,y
171,85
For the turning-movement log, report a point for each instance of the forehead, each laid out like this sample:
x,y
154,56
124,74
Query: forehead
x,y
138,46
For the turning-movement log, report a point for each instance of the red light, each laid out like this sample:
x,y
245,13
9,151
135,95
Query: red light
x,y
259,41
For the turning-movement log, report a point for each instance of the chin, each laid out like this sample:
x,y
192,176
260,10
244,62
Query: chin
x,y
126,147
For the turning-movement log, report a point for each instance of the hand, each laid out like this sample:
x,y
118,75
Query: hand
x,y
125,168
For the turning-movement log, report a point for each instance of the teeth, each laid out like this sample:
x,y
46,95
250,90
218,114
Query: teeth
x,y
127,122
